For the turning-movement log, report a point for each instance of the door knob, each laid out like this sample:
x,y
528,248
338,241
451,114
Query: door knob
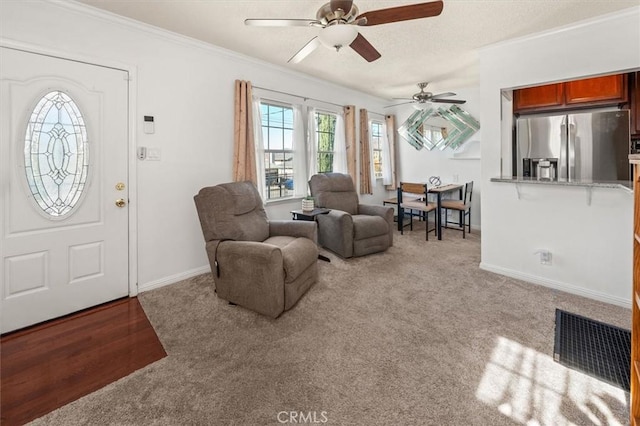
x,y
120,202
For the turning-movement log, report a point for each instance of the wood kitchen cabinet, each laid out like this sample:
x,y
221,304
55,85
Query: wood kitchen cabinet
x,y
607,89
549,95
588,92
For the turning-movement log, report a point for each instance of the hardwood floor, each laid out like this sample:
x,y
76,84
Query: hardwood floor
x,y
52,364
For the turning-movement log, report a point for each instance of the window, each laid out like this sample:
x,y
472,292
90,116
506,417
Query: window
x,y
376,148
277,138
325,135
294,142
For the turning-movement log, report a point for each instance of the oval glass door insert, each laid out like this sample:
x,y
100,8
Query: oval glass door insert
x,y
55,154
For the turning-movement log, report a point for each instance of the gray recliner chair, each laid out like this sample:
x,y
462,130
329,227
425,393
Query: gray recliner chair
x,y
350,229
260,264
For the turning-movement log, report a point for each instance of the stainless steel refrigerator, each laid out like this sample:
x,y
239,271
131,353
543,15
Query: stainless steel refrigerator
x,y
584,146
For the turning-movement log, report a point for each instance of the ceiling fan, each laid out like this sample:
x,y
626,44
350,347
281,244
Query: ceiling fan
x,y
338,21
423,97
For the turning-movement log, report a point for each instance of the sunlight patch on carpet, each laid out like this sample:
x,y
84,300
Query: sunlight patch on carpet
x,y
530,388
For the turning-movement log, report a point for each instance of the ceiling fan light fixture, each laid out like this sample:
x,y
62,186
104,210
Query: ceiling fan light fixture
x,y
337,36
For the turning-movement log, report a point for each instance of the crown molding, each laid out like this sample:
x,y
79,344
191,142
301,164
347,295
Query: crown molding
x,y
169,36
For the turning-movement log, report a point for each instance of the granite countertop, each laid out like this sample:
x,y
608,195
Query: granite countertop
x,y
619,184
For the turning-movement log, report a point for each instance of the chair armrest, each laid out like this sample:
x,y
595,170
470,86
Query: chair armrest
x,y
294,228
338,216
230,253
243,249
252,275
383,211
335,232
297,256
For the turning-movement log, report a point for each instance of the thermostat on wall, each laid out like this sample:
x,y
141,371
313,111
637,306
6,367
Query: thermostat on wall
x,y
148,124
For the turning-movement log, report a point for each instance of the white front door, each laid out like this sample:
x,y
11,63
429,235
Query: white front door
x,y
63,186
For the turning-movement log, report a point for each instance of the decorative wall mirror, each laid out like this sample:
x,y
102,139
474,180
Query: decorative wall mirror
x,y
438,127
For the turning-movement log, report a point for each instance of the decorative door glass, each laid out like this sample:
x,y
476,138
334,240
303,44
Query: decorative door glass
x,y
56,154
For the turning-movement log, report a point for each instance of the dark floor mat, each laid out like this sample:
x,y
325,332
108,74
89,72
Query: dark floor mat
x,y
592,347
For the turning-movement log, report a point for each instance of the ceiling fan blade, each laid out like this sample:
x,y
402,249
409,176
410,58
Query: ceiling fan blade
x,y
443,95
364,48
345,5
447,101
402,99
402,13
281,22
305,51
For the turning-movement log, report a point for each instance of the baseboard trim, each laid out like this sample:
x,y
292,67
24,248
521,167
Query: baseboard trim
x,y
173,279
557,285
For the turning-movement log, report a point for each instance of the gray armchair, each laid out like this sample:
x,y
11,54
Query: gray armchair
x,y
350,229
262,265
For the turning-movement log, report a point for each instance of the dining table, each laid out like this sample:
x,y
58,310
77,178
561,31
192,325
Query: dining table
x,y
438,191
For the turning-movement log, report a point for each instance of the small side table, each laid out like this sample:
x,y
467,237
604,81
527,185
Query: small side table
x,y
310,216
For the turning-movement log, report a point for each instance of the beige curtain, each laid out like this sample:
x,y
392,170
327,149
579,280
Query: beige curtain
x,y
244,152
365,154
390,121
350,140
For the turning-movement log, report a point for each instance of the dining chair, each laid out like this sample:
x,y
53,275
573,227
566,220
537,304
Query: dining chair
x,y
407,193
463,207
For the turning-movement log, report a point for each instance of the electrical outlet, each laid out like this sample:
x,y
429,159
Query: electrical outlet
x,y
545,257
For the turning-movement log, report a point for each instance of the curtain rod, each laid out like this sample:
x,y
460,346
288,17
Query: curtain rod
x,y
305,98
377,113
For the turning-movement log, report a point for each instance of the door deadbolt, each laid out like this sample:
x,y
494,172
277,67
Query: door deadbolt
x,y
120,203
119,186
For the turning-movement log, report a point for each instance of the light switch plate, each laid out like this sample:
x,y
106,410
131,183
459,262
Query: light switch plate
x,y
154,154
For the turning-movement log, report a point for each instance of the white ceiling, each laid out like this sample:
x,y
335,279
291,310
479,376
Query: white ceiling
x,y
442,50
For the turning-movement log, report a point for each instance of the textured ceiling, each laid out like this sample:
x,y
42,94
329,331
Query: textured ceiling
x,y
441,50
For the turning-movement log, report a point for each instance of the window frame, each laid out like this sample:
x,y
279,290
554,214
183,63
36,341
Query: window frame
x,y
268,159
380,140
317,140
305,142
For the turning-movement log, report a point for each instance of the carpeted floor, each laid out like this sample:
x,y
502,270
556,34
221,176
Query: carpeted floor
x,y
418,335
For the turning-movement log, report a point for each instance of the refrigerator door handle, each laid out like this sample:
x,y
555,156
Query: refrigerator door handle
x,y
563,170
571,152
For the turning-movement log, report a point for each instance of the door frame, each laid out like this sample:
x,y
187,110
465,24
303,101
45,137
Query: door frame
x,y
131,138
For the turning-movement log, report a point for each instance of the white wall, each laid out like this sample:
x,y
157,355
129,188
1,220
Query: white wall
x,y
591,244
419,165
188,87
